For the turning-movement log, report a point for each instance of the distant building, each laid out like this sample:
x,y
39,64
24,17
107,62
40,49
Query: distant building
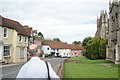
x,y
57,48
102,25
62,49
76,50
30,34
113,47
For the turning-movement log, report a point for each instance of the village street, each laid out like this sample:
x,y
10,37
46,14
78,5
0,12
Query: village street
x,y
12,71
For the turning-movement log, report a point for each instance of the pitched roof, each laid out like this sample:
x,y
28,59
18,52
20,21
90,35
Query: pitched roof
x,y
76,47
62,45
37,38
58,45
28,30
13,25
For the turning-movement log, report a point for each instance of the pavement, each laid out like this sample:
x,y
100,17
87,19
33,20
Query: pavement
x,y
11,64
14,64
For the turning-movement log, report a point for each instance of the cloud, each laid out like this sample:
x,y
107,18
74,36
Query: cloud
x,y
54,1
67,19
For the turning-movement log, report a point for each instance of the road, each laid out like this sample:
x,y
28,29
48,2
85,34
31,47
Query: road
x,y
12,71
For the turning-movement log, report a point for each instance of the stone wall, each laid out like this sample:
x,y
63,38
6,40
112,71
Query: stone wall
x,y
113,49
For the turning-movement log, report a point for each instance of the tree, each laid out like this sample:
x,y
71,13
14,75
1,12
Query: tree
x,y
96,48
56,39
77,42
40,35
84,42
44,41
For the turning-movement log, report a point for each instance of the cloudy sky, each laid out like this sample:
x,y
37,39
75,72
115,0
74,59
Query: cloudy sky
x,y
68,20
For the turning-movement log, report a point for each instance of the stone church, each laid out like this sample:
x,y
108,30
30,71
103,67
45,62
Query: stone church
x,y
102,25
111,32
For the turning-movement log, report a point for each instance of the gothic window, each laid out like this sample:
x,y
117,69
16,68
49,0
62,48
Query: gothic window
x,y
116,15
113,19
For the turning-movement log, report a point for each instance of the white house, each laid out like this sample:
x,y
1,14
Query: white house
x,y
57,48
46,49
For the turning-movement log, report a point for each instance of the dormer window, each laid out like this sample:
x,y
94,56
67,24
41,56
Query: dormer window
x,y
5,32
20,38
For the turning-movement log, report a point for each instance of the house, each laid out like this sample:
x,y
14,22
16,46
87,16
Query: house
x,y
76,50
1,43
46,49
57,48
62,49
13,41
30,34
33,37
37,40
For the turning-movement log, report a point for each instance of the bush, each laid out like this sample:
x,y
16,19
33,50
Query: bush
x,y
40,55
96,48
46,55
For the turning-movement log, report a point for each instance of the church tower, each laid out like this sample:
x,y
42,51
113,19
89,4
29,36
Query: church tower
x,y
102,25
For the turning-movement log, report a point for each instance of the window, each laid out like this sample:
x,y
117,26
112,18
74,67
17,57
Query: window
x,y
21,52
5,32
47,48
57,50
6,51
20,38
116,15
25,39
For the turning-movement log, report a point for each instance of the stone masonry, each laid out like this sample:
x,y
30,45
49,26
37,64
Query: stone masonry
x,y
113,47
102,25
109,28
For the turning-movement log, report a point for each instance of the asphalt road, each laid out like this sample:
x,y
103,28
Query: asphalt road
x,y
12,71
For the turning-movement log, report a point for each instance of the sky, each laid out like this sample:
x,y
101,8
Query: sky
x,y
69,20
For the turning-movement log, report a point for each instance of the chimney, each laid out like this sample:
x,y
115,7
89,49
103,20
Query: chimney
x,y
35,31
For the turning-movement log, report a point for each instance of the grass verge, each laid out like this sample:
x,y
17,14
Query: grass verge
x,y
90,69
